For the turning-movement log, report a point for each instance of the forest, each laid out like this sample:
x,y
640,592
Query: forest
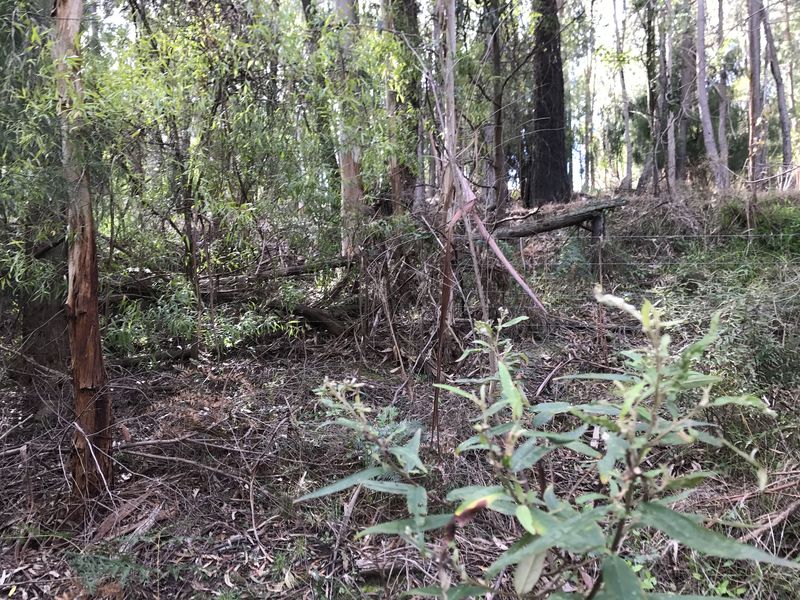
x,y
400,299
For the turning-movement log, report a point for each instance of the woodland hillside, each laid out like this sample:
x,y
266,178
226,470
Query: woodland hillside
x,y
356,299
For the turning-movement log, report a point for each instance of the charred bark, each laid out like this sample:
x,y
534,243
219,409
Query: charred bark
x,y
548,139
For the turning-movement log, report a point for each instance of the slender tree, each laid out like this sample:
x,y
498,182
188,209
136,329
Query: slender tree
x,y
669,51
499,168
400,20
549,181
758,163
720,173
722,92
783,111
619,36
352,207
588,109
688,76
91,446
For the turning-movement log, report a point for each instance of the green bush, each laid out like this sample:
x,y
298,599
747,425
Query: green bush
x,y
656,405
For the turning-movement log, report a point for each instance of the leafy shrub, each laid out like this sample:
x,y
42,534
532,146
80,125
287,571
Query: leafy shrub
x,y
656,404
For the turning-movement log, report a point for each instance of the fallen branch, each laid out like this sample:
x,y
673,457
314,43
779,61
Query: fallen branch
x,y
773,520
186,461
556,218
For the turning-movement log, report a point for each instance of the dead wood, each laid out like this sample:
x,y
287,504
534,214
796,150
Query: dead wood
x,y
563,215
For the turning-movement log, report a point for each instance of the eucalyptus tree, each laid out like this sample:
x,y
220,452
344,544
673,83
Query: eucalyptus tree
x,y
758,162
620,26
719,170
91,447
549,179
780,90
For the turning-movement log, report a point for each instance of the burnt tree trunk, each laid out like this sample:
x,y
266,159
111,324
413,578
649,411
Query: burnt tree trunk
x,y
91,446
548,160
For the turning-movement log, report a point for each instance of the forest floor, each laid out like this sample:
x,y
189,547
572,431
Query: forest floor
x,y
211,455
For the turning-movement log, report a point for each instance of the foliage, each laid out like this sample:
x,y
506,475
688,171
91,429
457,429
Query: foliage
x,y
656,404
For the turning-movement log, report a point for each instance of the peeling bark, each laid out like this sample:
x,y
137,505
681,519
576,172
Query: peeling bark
x,y
91,446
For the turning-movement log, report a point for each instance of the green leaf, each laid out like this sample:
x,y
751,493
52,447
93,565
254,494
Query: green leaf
x,y
466,590
583,448
598,377
417,500
510,391
744,400
525,518
513,321
528,572
345,483
681,528
458,592
472,492
697,380
388,487
457,391
401,526
579,533
409,454
619,581
689,481
528,454
615,451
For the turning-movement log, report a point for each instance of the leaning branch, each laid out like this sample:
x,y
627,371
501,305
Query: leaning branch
x,y
556,218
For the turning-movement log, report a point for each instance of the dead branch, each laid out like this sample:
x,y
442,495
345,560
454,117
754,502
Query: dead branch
x,y
558,217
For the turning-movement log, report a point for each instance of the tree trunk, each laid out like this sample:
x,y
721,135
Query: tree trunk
x,y
548,160
669,116
91,448
627,181
352,207
786,126
791,50
499,155
588,109
724,100
687,87
652,87
400,16
758,163
702,98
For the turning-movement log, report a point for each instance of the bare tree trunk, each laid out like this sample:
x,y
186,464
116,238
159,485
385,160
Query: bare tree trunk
x,y
758,164
688,76
627,181
664,113
588,109
724,100
786,126
548,140
352,207
702,98
499,155
791,50
91,447
671,120
652,88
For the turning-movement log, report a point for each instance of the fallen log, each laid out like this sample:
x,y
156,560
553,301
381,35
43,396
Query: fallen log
x,y
554,216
